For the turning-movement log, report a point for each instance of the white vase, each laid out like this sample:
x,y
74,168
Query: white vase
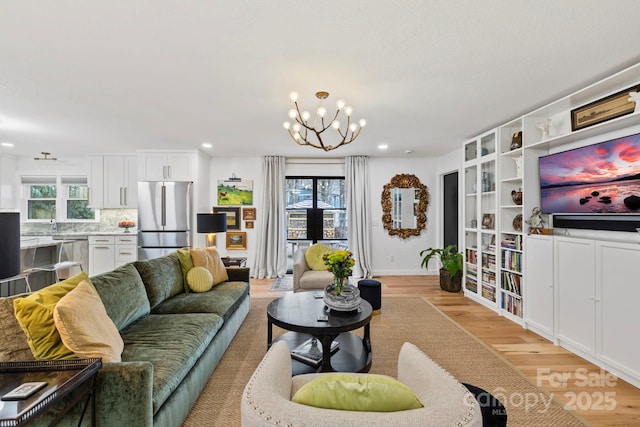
x,y
347,300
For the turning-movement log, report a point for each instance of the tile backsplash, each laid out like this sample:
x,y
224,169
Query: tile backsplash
x,y
109,219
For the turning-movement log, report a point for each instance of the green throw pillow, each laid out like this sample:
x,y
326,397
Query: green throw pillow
x,y
186,264
370,392
35,316
313,256
199,279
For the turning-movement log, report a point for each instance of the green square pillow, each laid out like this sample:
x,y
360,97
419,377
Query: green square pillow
x,y
35,316
186,263
313,256
348,392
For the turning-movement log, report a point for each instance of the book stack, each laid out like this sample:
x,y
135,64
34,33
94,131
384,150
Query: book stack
x,y
310,351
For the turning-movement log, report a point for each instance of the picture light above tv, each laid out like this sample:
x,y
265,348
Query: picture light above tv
x,y
602,178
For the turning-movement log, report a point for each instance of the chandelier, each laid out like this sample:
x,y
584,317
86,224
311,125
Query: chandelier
x,y
302,130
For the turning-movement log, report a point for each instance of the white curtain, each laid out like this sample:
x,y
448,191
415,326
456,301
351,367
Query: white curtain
x,y
271,252
358,213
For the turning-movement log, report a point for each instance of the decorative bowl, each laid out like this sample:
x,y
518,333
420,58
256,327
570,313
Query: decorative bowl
x,y
348,300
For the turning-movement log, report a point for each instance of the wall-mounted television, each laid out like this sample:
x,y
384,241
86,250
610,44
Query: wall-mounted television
x,y
602,178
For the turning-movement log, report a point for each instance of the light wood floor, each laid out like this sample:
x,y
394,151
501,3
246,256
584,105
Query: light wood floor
x,y
616,404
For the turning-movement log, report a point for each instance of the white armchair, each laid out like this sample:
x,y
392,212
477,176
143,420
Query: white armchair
x,y
266,400
306,279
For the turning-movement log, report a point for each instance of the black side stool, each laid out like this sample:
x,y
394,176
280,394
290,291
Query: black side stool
x,y
494,414
371,291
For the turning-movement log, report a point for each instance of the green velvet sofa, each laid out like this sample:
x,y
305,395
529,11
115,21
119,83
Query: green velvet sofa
x,y
173,342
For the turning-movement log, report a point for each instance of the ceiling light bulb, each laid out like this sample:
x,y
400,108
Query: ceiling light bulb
x,y
340,104
306,115
293,96
383,147
322,111
6,144
296,137
286,125
335,124
353,127
292,113
207,145
348,111
296,127
362,123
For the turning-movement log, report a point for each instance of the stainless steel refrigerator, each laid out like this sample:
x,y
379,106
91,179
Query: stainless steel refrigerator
x,y
164,217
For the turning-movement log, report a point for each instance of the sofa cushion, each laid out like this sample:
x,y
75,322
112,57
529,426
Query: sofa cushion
x,y
85,327
313,256
35,316
123,295
209,258
221,300
13,341
371,392
199,279
162,277
173,343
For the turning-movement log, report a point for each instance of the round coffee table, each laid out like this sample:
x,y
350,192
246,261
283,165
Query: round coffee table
x,y
298,313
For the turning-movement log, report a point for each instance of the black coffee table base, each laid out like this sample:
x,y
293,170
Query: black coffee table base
x,y
353,354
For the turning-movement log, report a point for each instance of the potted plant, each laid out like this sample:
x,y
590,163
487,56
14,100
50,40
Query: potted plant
x,y
451,270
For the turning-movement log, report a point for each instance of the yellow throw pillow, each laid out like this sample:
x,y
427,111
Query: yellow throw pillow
x,y
85,327
35,316
371,393
313,256
199,279
210,259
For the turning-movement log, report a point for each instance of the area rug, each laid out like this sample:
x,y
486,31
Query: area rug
x,y
282,284
402,319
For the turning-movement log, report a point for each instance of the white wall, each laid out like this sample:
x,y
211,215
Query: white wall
x,y
247,168
393,255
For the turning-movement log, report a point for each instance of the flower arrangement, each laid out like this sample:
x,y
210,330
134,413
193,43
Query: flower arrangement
x,y
340,263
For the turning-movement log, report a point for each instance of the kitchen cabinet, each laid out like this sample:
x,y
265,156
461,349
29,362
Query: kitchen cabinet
x,y
113,182
120,182
8,168
166,166
107,252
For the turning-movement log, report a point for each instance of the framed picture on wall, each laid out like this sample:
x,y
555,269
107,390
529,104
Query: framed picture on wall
x,y
248,224
235,192
233,216
249,214
236,240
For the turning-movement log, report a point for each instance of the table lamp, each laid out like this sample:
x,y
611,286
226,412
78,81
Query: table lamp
x,y
212,223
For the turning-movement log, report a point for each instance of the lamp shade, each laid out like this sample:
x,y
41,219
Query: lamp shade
x,y
10,247
212,222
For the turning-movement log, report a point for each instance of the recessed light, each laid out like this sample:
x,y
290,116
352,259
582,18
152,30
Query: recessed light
x,y
408,152
382,146
6,144
207,145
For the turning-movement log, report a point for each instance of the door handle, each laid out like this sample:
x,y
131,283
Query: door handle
x,y
121,197
125,196
163,218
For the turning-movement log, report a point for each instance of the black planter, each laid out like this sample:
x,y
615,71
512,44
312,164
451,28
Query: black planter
x,y
449,283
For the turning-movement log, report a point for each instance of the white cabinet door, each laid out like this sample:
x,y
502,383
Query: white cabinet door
x,y
101,255
131,182
617,311
96,182
575,280
167,166
538,285
113,181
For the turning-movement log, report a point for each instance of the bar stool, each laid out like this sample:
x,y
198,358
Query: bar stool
x,y
371,291
64,261
28,259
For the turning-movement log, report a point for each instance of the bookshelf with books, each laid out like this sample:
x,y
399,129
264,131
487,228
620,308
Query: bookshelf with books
x,y
480,218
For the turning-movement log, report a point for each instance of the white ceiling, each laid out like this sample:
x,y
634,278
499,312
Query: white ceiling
x,y
111,76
